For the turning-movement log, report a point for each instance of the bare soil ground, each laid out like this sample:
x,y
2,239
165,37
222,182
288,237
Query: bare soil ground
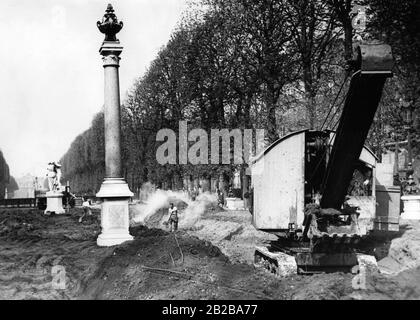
x,y
210,260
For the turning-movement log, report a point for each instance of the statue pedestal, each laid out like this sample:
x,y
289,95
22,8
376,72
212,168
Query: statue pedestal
x,y
235,204
54,202
114,213
411,207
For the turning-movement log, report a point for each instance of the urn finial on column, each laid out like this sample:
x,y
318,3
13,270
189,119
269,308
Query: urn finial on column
x,y
110,25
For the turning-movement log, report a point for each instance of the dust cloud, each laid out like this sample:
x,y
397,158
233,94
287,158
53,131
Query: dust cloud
x,y
152,201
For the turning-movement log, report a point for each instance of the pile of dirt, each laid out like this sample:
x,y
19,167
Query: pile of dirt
x,y
406,249
332,286
403,286
399,251
216,231
162,265
155,220
234,234
231,231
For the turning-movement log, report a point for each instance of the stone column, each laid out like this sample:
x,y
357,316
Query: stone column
x,y
114,190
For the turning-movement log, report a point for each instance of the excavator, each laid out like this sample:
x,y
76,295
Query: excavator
x,y
305,183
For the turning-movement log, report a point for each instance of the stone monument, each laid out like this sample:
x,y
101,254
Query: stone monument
x,y
232,202
411,200
114,190
55,193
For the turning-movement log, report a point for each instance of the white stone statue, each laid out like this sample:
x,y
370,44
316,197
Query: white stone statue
x,y
54,176
237,180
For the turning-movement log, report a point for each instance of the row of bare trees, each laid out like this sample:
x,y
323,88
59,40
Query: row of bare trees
x,y
6,180
272,64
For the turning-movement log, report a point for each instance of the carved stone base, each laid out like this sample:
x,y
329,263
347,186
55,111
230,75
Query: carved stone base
x,y
114,213
54,203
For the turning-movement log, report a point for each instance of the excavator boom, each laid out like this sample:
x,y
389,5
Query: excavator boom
x,y
374,64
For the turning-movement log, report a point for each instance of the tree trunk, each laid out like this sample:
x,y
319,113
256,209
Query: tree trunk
x,y
348,38
247,111
222,185
310,95
271,114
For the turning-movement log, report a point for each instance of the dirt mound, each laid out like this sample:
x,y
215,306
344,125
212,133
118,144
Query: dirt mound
x,y
233,233
332,286
404,286
406,250
216,231
402,251
162,265
155,220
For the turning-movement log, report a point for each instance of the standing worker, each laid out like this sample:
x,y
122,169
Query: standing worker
x,y
173,217
220,200
86,209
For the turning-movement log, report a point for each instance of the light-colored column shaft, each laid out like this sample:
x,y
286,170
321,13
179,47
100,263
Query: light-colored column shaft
x,y
112,112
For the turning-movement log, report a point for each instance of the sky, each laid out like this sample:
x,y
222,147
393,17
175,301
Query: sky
x,y
51,79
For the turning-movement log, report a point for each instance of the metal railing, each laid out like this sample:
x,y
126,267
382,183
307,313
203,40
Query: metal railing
x,y
18,203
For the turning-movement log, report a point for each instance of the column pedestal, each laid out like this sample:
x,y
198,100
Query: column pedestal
x,y
114,213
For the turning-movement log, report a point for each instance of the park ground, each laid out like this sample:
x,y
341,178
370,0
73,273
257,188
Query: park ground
x,y
211,259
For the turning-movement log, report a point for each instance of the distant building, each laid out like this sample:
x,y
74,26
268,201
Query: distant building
x,y
27,186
